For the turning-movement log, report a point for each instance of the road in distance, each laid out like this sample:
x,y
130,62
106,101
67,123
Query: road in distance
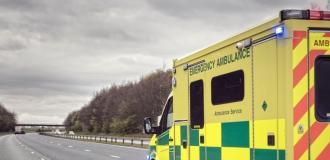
x,y
37,147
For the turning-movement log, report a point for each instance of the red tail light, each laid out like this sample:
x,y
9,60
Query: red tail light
x,y
326,15
315,14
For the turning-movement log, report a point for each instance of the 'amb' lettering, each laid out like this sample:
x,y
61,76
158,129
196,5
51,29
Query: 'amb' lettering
x,y
321,43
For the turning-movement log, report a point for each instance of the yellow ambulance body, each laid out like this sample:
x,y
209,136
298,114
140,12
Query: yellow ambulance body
x,y
261,95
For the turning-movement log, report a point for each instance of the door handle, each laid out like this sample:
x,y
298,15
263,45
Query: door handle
x,y
184,144
171,139
201,139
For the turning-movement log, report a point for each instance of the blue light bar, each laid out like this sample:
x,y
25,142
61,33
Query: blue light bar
x,y
279,30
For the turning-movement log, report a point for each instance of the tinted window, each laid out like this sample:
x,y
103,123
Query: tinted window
x,y
228,88
322,88
197,104
167,117
169,122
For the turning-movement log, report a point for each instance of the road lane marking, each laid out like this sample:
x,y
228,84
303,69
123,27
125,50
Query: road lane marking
x,y
31,151
70,146
113,156
87,150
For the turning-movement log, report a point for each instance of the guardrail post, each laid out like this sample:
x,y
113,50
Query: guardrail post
x,y
111,139
115,140
100,139
106,139
141,142
132,142
123,140
95,138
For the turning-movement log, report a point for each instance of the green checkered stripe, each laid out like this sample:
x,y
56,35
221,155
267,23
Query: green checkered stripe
x,y
234,134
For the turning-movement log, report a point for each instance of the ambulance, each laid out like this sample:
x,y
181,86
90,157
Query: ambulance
x,y
261,95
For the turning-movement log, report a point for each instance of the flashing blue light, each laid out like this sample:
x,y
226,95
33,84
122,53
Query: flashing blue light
x,y
279,30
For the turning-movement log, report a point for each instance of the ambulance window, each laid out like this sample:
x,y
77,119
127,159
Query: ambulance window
x,y
166,121
228,88
197,104
322,88
169,121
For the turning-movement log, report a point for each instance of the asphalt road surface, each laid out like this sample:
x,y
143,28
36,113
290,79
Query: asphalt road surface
x,y
37,147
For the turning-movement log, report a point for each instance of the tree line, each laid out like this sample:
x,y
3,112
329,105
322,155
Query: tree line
x,y
7,120
120,109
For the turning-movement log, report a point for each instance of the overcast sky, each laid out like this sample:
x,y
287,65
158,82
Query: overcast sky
x,y
55,54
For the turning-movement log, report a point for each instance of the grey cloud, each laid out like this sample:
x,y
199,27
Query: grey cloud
x,y
55,54
11,45
198,8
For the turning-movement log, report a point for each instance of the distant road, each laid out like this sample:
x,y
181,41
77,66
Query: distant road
x,y
37,147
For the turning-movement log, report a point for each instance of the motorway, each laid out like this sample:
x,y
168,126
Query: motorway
x,y
37,147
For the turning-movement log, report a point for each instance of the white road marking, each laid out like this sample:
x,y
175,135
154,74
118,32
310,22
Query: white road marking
x,y
70,146
87,150
113,156
58,144
51,142
31,150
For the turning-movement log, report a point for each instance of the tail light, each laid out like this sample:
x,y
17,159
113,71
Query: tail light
x,y
315,14
326,15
